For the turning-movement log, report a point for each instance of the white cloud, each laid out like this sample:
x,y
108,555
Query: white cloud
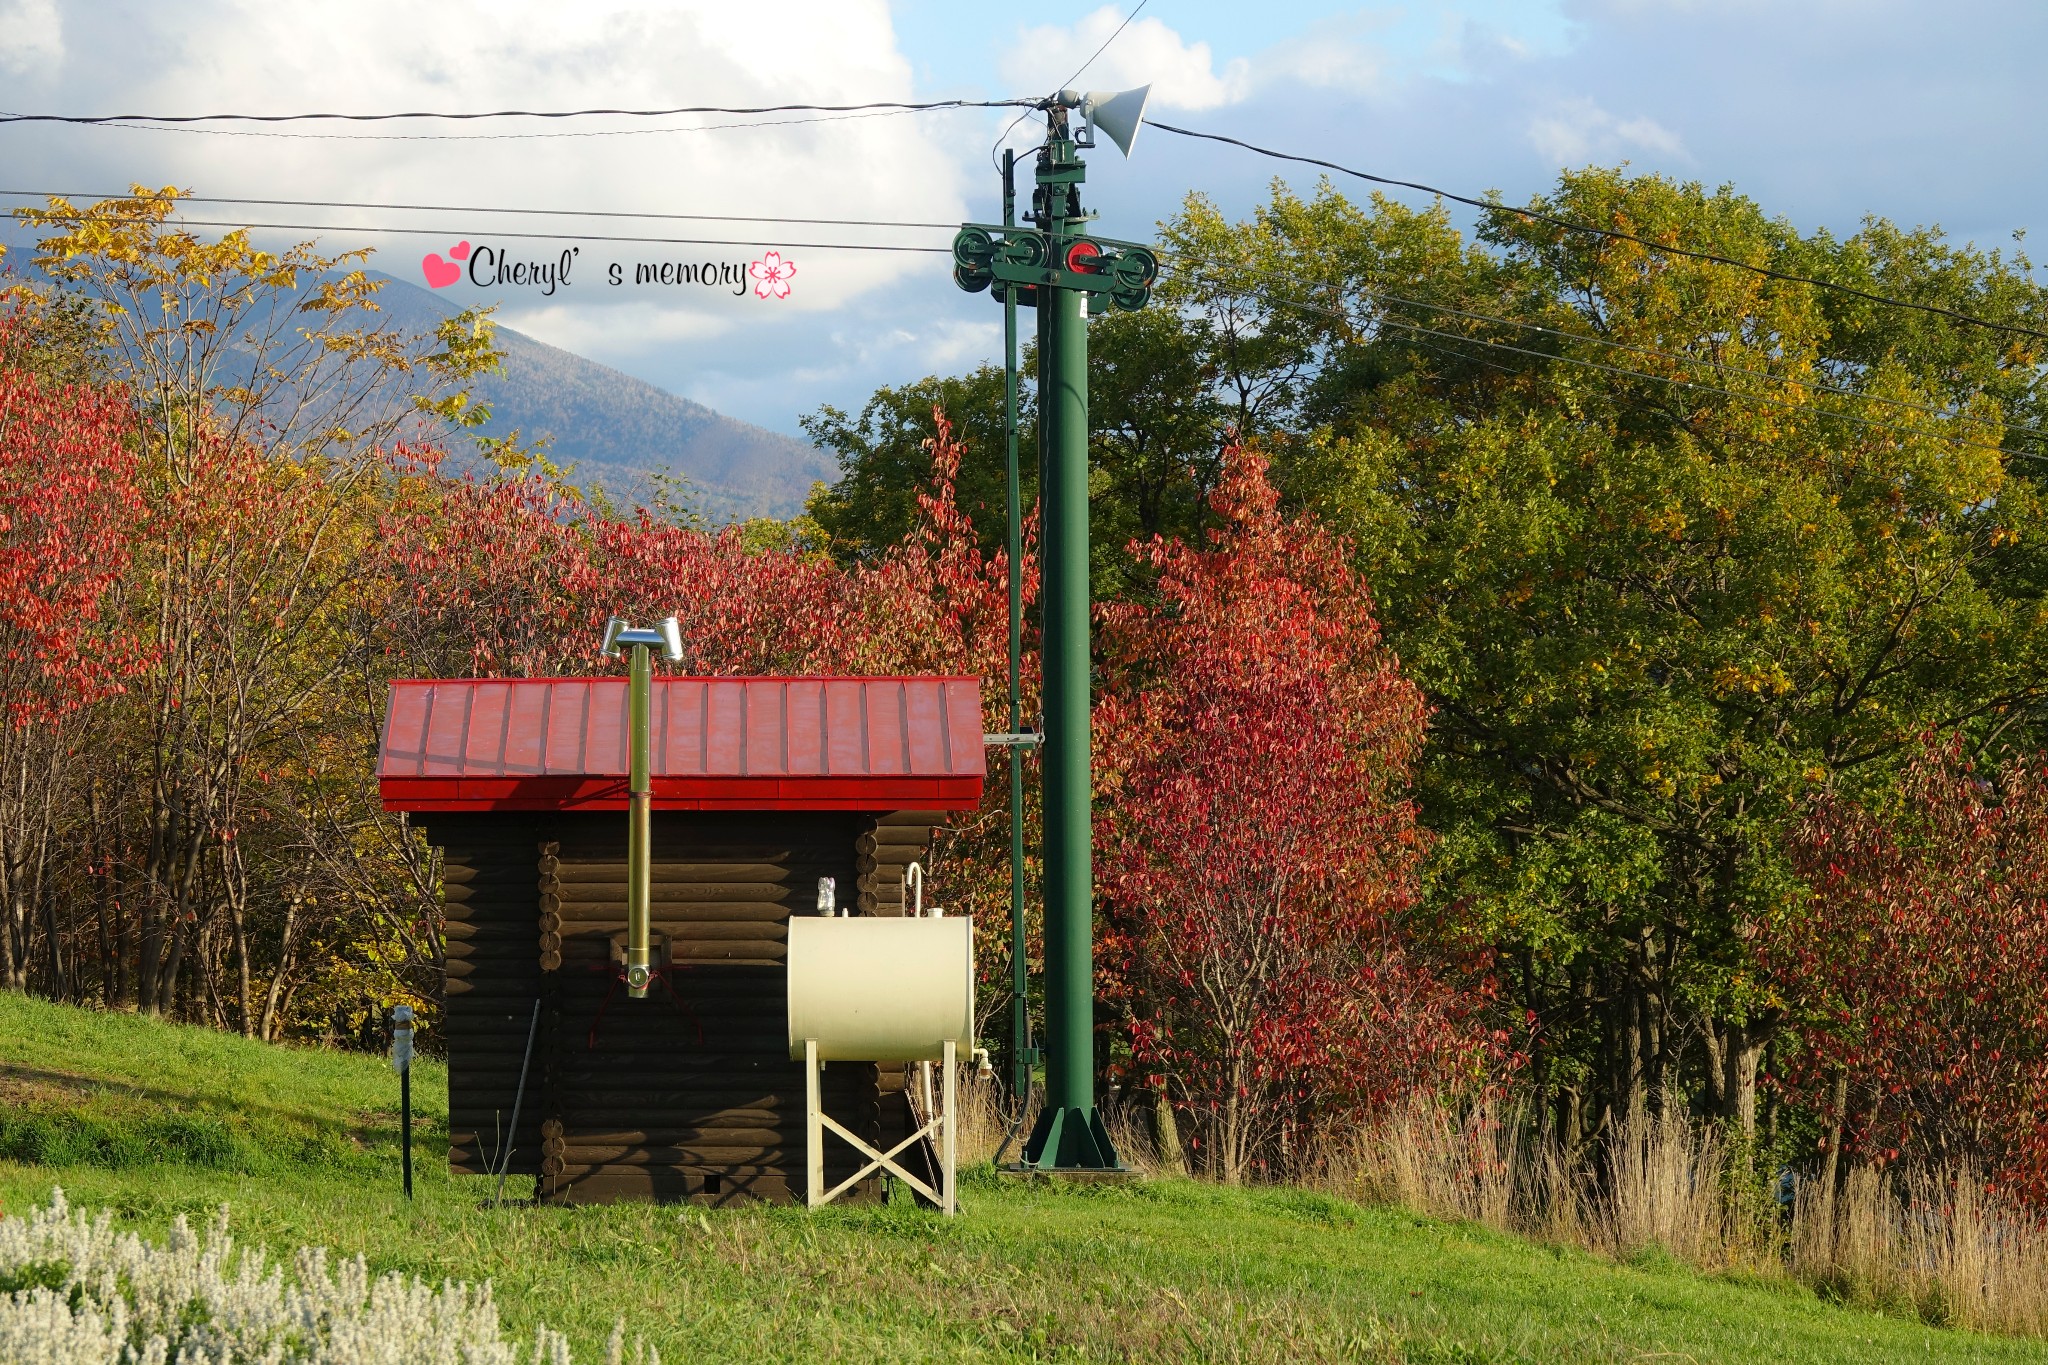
x,y
1334,53
530,54
1182,75
1574,132
31,36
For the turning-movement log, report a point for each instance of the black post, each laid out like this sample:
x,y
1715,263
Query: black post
x,y
401,1059
405,1124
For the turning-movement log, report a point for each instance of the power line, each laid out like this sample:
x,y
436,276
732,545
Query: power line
x,y
453,234
1118,33
1114,35
1612,234
208,131
1623,372
1658,354
471,116
1226,281
484,208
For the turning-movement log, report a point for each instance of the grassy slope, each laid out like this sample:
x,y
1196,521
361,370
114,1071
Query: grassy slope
x,y
154,1121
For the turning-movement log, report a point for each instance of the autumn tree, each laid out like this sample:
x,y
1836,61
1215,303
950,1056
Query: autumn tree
x,y
68,506
1669,544
264,392
1260,853
1920,964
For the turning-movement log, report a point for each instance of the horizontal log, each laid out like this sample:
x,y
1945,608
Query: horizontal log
x,y
484,899
734,1133
897,844
778,1152
664,889
759,951
567,1096
900,829
588,917
686,1178
707,870
477,1054
494,992
487,929
786,852
642,1187
519,870
625,1115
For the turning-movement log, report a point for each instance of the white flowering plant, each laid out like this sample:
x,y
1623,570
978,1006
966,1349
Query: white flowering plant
x,y
73,1291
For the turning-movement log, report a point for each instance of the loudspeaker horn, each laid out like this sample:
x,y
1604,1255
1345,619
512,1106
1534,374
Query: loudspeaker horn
x,y
1116,113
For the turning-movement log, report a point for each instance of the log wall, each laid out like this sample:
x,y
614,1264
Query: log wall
x,y
690,1093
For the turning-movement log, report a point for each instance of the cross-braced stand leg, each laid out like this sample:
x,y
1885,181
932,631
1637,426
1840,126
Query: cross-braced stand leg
x,y
817,1121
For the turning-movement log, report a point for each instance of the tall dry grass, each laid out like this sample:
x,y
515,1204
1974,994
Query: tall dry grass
x,y
1936,1245
985,1120
1933,1245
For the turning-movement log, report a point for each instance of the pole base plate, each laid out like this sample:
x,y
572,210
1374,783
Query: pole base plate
x,y
1070,1139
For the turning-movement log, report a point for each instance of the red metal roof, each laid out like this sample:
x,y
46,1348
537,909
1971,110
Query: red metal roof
x,y
475,744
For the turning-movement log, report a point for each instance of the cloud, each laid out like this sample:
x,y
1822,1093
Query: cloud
x,y
256,55
1182,75
31,36
1576,131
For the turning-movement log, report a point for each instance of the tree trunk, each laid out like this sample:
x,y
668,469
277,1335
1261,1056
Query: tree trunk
x,y
234,890
1831,1168
267,1028
1717,1069
1742,1048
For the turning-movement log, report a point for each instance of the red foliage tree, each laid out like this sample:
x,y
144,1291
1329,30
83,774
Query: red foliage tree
x,y
1921,961
68,505
1259,850
518,578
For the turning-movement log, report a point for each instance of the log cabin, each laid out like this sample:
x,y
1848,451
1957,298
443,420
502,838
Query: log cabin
x,y
761,788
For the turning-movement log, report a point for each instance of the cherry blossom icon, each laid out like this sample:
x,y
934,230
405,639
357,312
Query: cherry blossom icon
x,y
771,275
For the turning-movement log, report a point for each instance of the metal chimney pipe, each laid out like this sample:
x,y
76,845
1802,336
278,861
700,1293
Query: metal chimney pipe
x,y
640,787
640,808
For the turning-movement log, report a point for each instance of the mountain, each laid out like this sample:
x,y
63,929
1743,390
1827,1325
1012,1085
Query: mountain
x,y
617,430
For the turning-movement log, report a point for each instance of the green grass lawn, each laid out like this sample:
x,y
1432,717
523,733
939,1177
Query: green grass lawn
x,y
154,1120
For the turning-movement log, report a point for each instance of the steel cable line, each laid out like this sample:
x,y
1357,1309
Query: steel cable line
x,y
559,236
1613,234
905,106
207,131
1939,414
1818,386
484,208
1456,337
1118,33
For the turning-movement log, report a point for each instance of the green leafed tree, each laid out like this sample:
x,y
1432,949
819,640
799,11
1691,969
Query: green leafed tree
x,y
1671,545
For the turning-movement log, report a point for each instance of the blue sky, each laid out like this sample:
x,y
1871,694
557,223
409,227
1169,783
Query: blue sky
x,y
1823,110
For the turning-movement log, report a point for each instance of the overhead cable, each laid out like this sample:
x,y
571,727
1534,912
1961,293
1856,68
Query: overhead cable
x,y
453,234
1614,234
553,134
1117,33
483,208
474,115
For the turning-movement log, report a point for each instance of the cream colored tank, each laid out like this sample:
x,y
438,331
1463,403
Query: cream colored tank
x,y
875,989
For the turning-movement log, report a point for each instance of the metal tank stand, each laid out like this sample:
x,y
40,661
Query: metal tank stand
x,y
816,1121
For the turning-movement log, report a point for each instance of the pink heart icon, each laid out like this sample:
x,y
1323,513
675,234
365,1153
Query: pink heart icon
x,y
440,274
459,252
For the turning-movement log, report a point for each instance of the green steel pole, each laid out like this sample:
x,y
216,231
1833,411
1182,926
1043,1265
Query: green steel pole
x,y
1069,1134
1020,1005
640,800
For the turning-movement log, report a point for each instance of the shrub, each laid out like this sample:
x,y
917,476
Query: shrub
x,y
78,1293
